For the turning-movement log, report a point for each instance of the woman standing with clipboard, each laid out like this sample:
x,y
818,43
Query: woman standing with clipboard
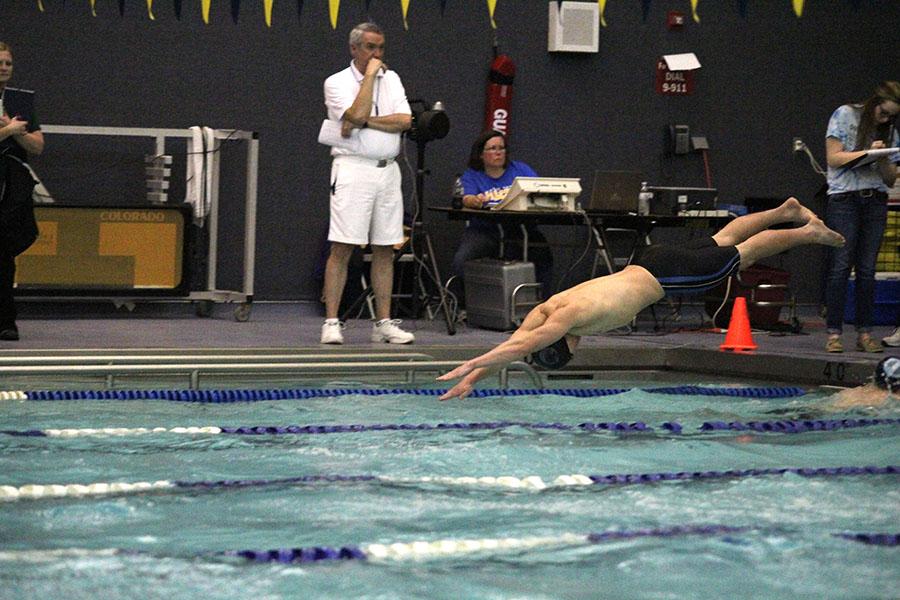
x,y
857,205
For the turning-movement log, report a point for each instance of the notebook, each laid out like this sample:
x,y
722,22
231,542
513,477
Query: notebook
x,y
616,191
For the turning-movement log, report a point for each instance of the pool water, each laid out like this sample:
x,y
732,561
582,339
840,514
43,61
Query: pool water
x,y
168,544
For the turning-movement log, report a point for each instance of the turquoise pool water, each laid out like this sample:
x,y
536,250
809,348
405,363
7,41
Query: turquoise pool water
x,y
62,547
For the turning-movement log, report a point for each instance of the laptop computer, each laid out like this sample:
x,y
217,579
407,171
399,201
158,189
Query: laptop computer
x,y
616,191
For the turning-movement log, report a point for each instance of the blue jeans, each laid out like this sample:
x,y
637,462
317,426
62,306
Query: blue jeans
x,y
860,217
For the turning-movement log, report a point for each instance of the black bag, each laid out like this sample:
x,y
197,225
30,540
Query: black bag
x,y
18,227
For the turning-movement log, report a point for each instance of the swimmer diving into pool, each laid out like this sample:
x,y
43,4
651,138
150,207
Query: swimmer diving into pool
x,y
552,330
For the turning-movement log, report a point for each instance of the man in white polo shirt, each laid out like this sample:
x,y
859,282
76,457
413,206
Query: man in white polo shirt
x,y
366,198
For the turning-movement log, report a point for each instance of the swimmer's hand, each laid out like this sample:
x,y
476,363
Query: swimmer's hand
x,y
470,375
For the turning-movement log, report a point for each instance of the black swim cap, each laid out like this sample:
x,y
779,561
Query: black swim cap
x,y
554,356
887,373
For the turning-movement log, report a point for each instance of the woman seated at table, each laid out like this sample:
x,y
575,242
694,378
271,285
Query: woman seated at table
x,y
485,183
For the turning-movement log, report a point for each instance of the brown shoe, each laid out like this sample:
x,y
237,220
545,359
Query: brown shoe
x,y
865,343
834,344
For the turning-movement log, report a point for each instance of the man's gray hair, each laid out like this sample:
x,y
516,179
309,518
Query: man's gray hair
x,y
357,33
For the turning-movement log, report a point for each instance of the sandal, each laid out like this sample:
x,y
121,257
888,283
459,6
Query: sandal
x,y
865,343
834,344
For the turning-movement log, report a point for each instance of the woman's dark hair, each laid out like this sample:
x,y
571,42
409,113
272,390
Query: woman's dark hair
x,y
869,130
475,160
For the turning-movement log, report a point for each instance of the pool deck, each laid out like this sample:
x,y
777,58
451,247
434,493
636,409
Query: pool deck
x,y
683,345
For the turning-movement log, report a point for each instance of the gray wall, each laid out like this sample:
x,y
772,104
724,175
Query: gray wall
x,y
766,78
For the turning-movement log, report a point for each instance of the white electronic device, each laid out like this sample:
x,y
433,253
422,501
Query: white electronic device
x,y
541,193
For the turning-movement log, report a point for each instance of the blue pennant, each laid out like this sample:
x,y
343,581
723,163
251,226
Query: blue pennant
x,y
235,10
178,9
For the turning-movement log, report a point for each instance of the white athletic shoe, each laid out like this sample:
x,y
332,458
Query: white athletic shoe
x,y
331,332
892,340
389,331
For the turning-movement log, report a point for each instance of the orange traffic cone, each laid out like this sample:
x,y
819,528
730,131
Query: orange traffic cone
x,y
738,338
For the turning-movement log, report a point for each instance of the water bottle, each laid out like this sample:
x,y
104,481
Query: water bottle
x,y
644,199
458,192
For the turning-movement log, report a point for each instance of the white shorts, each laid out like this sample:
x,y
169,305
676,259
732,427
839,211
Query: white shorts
x,y
366,202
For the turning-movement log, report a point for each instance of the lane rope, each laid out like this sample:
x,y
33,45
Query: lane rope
x,y
256,395
529,483
426,550
780,426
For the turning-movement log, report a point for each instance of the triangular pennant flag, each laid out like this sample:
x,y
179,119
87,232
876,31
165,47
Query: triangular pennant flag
x,y
178,9
235,10
150,10
404,6
694,4
492,4
267,7
742,8
798,7
204,4
94,7
645,8
334,6
602,10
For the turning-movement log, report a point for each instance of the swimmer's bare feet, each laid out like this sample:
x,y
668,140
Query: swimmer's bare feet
x,y
796,212
822,235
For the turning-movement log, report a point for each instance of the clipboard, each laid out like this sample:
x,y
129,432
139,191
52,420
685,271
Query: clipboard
x,y
869,157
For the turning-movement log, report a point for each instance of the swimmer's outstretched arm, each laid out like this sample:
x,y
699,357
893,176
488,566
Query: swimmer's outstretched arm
x,y
537,331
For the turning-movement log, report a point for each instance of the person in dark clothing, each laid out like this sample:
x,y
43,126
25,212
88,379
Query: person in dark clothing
x,y
20,136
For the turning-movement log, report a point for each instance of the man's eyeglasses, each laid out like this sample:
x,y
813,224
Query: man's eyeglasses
x,y
495,149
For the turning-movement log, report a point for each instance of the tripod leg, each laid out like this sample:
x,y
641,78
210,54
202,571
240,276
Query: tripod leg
x,y
451,326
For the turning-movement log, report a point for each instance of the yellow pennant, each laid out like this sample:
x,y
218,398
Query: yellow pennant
x,y
694,4
798,7
404,6
333,7
492,4
267,7
40,6
205,7
94,7
602,10
150,10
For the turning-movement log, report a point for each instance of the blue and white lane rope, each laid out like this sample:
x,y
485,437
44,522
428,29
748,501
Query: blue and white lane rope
x,y
424,550
530,483
256,395
782,426
432,549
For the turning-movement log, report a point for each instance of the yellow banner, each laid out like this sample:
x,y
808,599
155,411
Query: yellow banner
x,y
40,6
333,7
602,10
492,4
150,10
94,7
404,6
798,7
694,4
205,7
267,7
